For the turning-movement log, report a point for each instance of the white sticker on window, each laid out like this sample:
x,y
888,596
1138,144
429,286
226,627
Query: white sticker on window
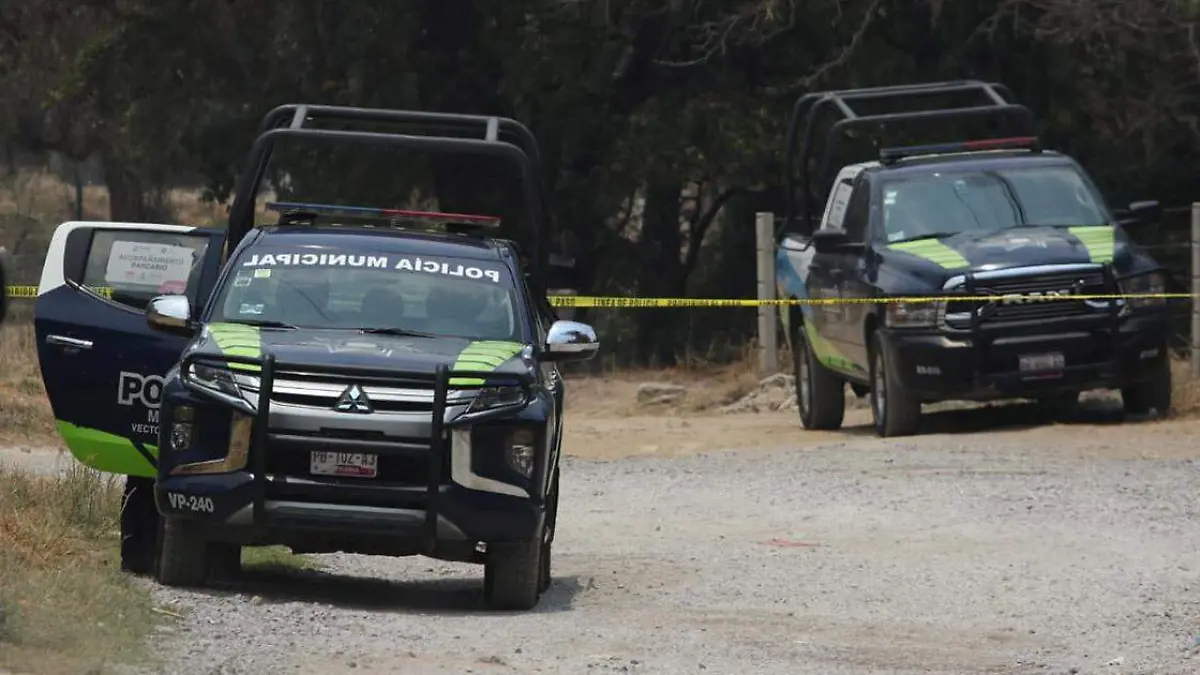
x,y
162,266
837,210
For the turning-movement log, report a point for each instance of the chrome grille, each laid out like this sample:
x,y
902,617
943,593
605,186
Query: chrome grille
x,y
323,391
1068,279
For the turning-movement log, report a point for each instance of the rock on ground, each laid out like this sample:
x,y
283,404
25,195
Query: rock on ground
x,y
658,393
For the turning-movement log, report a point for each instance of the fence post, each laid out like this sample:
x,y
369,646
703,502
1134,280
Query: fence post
x,y
1195,341
768,351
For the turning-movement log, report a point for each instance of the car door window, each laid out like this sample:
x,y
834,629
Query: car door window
x,y
131,267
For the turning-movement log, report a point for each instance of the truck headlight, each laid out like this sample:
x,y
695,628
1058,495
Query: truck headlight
x,y
1154,283
492,398
920,314
519,450
222,383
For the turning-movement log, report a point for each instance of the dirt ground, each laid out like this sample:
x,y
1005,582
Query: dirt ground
x,y
995,542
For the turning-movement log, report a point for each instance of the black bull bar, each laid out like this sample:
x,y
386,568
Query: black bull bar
x,y
437,449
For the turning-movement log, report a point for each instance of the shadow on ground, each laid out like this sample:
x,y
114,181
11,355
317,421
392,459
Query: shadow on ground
x,y
1013,416
441,596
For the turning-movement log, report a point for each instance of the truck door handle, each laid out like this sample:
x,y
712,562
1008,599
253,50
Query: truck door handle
x,y
64,341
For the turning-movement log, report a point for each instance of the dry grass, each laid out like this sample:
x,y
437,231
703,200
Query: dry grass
x,y
25,415
42,195
66,607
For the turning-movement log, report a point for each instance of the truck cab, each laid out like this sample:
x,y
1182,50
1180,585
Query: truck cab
x,y
347,378
977,270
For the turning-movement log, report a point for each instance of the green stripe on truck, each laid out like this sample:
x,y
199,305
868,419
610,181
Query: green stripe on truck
x,y
934,251
485,356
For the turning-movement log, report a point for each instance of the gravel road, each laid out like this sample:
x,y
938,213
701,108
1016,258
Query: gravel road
x,y
985,546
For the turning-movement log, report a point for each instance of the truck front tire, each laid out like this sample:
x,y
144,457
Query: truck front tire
x,y
1153,393
820,395
187,558
895,411
512,576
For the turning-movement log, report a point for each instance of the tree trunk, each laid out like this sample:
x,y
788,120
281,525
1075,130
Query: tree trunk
x,y
126,194
660,244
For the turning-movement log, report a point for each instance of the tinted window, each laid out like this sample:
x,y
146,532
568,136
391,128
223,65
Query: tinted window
x,y
131,267
991,199
339,287
858,212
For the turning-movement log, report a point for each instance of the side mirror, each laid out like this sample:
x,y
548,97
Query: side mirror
x,y
170,314
1142,213
834,241
571,341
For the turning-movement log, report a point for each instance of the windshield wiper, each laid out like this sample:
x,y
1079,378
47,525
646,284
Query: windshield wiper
x,y
403,332
263,323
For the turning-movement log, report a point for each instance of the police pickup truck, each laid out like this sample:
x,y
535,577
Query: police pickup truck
x,y
1002,248
364,380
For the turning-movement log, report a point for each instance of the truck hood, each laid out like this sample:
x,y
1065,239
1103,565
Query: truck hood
x,y
1021,246
342,348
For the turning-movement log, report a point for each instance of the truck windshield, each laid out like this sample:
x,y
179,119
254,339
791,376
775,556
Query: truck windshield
x,y
951,202
348,288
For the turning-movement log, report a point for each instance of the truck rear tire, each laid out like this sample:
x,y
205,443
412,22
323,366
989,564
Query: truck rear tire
x,y
820,395
187,559
1154,393
512,575
140,527
895,411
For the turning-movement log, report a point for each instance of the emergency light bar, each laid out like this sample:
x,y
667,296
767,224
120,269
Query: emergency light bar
x,y
393,215
890,155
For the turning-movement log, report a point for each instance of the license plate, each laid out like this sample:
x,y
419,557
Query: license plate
x,y
1041,363
351,464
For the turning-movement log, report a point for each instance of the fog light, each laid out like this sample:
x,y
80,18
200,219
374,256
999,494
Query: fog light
x,y
521,451
181,428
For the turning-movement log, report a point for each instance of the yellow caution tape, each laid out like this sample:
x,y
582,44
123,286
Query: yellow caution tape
x,y
626,303
621,303
30,292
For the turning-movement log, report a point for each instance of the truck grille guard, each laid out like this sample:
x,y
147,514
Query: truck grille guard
x,y
971,284
438,447
1096,279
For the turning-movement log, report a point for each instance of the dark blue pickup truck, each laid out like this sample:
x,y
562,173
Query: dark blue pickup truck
x,y
1002,247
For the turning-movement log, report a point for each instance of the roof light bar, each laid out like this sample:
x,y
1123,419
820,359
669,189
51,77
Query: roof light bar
x,y
394,215
888,155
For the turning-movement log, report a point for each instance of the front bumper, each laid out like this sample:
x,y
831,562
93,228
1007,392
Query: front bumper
x,y
985,364
428,497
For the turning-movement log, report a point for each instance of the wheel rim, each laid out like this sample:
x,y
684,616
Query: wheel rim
x,y
880,388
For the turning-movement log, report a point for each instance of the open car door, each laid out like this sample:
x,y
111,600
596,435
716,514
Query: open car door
x,y
101,363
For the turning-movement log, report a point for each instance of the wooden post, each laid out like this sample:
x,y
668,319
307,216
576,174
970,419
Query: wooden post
x,y
1195,341
768,350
